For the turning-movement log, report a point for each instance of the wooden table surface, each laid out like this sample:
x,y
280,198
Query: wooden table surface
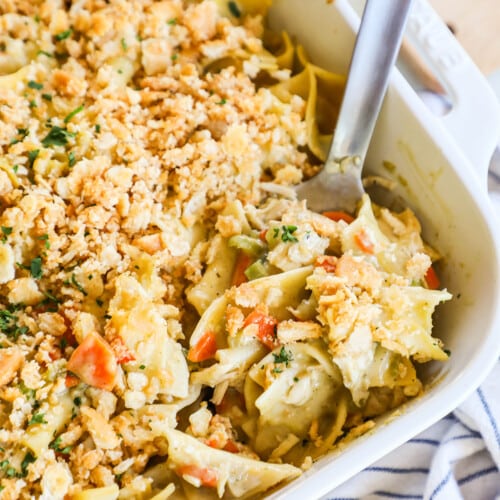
x,y
476,24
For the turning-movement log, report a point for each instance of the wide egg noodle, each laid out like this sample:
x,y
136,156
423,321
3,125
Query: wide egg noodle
x,y
278,292
293,396
216,279
39,436
139,322
240,475
235,355
405,309
322,90
408,311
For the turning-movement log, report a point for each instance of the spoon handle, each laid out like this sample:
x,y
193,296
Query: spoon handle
x,y
375,51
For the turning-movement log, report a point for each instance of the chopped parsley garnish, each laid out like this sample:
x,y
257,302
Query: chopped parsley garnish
x,y
77,285
35,85
8,469
63,35
124,44
37,418
73,113
44,53
36,268
57,136
33,104
56,446
99,302
97,128
172,21
29,458
50,297
45,237
71,159
287,234
174,57
6,231
77,401
47,97
222,101
32,156
283,356
29,393
9,326
15,168
142,367
22,132
5,315
234,9
447,352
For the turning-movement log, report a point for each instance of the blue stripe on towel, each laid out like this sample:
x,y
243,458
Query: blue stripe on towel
x,y
343,498
472,435
476,475
432,442
494,176
399,470
440,486
392,494
489,414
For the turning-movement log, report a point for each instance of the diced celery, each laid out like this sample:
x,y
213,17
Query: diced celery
x,y
256,270
249,245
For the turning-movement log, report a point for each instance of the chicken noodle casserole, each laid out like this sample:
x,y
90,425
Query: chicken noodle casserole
x,y
173,322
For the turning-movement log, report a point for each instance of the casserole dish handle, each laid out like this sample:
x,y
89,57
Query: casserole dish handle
x,y
474,119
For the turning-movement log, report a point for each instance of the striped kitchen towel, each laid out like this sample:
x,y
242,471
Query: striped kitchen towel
x,y
457,458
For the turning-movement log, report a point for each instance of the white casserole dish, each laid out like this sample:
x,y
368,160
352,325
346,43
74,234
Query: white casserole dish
x,y
441,170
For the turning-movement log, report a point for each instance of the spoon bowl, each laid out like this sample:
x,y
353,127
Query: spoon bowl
x,y
338,186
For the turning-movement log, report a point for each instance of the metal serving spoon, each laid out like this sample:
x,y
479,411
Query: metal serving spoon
x,y
338,185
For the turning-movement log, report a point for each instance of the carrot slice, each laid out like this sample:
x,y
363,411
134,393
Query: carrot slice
x,y
122,352
266,332
364,242
71,380
206,475
242,262
431,279
204,349
94,362
231,446
337,215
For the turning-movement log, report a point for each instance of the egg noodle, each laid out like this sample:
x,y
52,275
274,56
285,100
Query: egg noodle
x,y
173,322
